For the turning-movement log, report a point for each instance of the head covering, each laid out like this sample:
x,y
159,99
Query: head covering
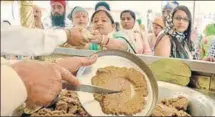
x,y
37,7
167,6
62,2
210,29
75,10
104,4
107,13
128,11
175,3
171,5
159,21
169,25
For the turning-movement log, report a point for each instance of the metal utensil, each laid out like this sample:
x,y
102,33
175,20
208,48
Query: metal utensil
x,y
89,89
111,57
199,104
83,88
116,58
73,52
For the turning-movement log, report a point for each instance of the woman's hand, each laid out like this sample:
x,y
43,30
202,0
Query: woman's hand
x,y
96,37
210,59
75,37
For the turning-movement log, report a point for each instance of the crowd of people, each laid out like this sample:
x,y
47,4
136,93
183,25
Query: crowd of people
x,y
38,83
173,34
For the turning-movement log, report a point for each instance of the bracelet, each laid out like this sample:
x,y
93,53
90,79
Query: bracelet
x,y
107,41
102,39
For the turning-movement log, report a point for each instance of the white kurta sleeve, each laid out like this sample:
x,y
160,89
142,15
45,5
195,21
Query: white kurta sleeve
x,y
13,90
16,40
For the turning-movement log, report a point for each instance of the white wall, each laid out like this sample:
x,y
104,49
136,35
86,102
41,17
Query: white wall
x,y
10,13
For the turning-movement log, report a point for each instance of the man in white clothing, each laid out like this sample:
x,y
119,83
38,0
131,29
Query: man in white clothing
x,y
36,83
16,40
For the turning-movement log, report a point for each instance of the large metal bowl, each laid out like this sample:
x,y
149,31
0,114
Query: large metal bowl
x,y
120,59
200,104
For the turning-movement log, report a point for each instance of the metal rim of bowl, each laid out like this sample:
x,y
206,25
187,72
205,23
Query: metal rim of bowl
x,y
142,65
188,91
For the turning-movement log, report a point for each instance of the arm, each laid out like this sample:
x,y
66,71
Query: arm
x,y
13,90
150,39
109,42
163,48
146,47
30,42
116,44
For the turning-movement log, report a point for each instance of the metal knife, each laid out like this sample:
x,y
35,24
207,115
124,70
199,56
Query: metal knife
x,y
73,52
89,89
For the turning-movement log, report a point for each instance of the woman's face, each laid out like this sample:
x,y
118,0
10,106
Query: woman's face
x,y
127,21
180,21
157,29
102,23
80,19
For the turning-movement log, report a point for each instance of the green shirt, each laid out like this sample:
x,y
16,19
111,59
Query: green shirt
x,y
205,45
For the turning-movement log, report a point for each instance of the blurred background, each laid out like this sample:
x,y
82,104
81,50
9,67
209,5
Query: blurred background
x,y
202,11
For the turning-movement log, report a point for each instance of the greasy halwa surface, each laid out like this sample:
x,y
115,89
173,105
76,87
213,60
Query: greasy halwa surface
x,y
132,84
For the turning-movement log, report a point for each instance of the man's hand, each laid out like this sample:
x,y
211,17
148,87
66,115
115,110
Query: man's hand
x,y
74,63
75,37
43,81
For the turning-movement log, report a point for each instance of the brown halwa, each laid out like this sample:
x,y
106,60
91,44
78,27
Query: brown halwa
x,y
131,82
172,107
68,105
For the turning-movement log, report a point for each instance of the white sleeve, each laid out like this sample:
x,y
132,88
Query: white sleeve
x,y
22,41
13,90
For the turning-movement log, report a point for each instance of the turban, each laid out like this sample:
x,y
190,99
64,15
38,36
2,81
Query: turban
x,y
62,2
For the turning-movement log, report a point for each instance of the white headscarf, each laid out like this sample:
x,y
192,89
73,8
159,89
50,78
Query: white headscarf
x,y
135,36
